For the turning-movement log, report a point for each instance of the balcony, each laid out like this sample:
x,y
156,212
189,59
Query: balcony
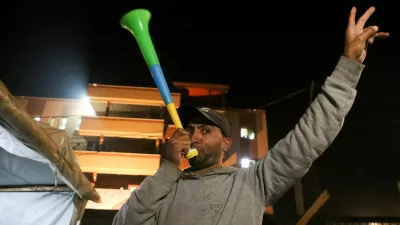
x,y
129,111
121,127
128,95
118,163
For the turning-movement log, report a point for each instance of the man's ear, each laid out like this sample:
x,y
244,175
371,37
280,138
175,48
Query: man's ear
x,y
226,144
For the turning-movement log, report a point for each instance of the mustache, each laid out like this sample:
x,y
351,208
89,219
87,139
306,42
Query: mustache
x,y
196,146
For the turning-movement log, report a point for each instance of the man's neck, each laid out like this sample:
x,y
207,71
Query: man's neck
x,y
205,170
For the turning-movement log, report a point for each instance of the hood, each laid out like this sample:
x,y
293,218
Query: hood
x,y
188,174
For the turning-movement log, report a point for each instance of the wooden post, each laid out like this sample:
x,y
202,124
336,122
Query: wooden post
x,y
314,208
298,196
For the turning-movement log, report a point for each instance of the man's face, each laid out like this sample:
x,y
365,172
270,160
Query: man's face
x,y
209,142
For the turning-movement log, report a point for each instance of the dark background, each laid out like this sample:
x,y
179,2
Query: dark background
x,y
262,50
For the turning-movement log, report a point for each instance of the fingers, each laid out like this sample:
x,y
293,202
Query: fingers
x,y
371,40
381,35
363,19
352,17
180,133
377,36
368,33
181,139
185,150
182,146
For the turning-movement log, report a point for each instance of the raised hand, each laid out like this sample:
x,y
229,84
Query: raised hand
x,y
177,146
358,37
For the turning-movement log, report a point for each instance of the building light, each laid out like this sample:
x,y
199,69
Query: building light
x,y
87,108
86,99
243,132
245,163
251,136
247,133
37,118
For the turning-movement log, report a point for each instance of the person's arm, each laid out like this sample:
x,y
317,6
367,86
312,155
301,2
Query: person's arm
x,y
292,156
144,203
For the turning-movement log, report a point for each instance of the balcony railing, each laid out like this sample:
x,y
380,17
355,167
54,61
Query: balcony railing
x,y
122,127
128,95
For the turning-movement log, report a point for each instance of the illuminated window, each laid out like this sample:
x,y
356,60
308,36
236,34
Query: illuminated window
x,y
251,136
247,133
63,124
37,118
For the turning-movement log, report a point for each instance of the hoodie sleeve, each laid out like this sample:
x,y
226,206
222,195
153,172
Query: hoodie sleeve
x,y
292,156
144,203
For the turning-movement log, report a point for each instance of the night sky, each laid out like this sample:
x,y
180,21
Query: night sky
x,y
263,51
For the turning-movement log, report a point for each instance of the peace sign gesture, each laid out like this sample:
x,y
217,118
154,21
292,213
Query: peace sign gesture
x,y
358,37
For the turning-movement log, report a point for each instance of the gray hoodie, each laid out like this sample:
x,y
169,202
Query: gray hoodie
x,y
232,196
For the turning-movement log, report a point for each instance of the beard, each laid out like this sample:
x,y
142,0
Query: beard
x,y
203,160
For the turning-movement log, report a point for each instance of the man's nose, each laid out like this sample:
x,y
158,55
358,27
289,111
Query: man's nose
x,y
196,136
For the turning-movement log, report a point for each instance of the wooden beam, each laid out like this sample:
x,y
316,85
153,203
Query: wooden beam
x,y
323,197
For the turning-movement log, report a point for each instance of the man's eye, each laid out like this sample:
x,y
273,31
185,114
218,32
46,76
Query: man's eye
x,y
205,131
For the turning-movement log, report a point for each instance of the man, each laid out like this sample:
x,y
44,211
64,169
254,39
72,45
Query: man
x,y
208,193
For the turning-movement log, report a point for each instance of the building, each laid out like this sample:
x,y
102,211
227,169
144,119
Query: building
x,y
117,132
